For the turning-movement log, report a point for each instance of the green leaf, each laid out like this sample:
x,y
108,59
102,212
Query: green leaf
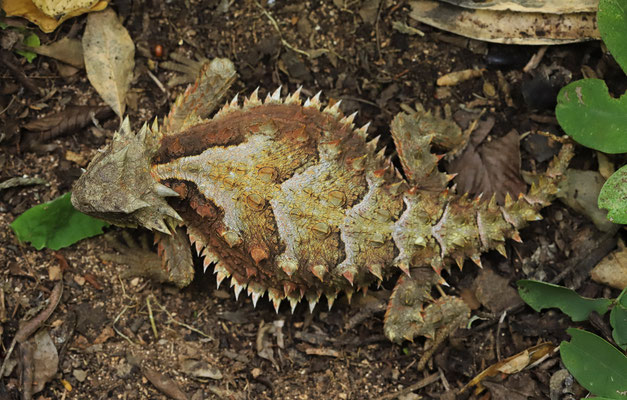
x,y
612,21
588,113
540,295
613,196
55,224
28,55
599,398
618,320
30,40
597,365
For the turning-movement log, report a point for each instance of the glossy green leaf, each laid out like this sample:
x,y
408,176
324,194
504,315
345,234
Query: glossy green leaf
x,y
613,196
540,295
55,224
618,320
597,365
593,118
612,21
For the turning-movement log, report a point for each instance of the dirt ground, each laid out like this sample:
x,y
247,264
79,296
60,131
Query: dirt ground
x,y
204,341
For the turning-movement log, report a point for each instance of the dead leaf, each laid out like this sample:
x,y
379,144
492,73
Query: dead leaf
x,y
580,191
369,11
531,28
45,359
456,77
69,51
494,291
200,369
72,118
490,168
56,8
109,58
27,9
512,364
612,270
549,7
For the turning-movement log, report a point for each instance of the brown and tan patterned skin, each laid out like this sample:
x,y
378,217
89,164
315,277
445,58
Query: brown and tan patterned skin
x,y
290,199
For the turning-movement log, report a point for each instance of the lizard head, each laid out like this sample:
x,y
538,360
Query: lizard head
x,y
119,188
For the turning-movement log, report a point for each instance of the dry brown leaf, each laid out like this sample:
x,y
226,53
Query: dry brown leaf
x,y
580,191
45,359
69,51
27,9
109,58
490,168
513,364
72,118
612,270
531,28
549,7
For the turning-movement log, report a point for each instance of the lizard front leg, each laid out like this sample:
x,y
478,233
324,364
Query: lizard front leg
x,y
172,263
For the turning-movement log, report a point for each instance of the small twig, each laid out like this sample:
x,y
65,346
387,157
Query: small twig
x,y
418,385
9,105
276,26
7,59
116,329
191,328
157,81
152,319
32,325
534,61
28,328
497,343
164,384
376,29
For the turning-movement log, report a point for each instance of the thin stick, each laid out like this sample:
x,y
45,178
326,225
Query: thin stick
x,y
276,26
152,319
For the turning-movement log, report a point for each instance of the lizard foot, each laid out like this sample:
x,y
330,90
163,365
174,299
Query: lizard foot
x,y
172,263
412,311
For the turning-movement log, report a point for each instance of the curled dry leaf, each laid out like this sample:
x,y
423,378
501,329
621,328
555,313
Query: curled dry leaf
x,y
71,119
548,7
109,58
513,364
531,28
453,78
580,191
45,360
490,168
69,51
48,23
612,270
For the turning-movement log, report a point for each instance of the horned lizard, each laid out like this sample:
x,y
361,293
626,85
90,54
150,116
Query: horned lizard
x,y
290,199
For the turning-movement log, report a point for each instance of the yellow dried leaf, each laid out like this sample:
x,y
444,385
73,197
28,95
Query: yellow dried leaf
x,y
27,9
59,8
109,58
513,364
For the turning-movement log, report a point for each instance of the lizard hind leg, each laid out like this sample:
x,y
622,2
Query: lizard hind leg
x,y
412,311
414,132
